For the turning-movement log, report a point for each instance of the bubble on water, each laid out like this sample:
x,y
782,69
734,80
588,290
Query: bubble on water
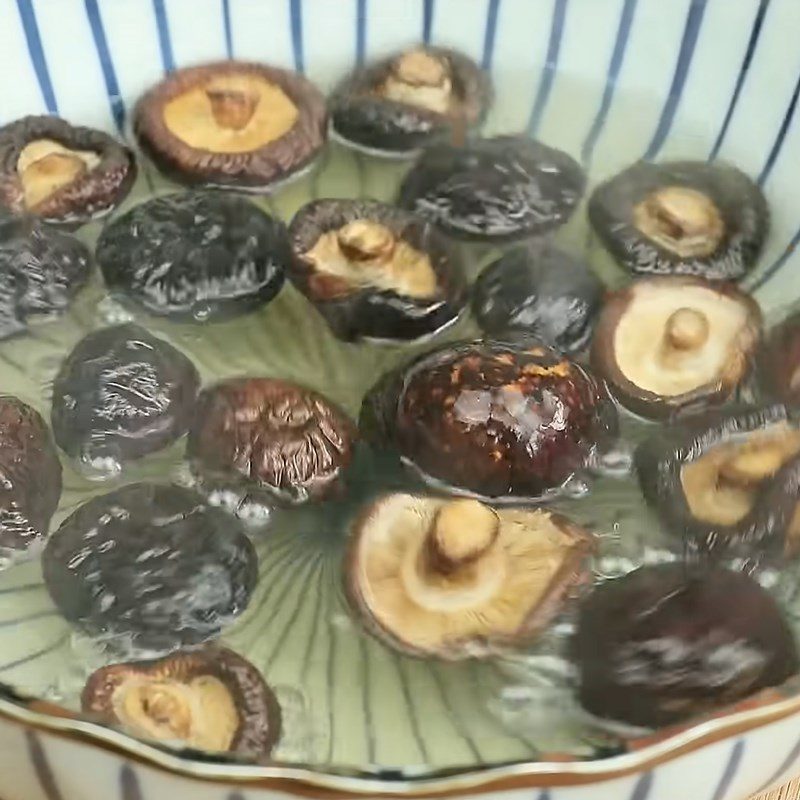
x,y
201,312
342,622
99,468
576,487
111,312
616,463
252,512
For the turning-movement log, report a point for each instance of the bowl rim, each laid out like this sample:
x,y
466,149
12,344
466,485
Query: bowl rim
x,y
306,781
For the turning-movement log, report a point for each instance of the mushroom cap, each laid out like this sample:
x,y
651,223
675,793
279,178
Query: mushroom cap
x,y
285,130
670,342
501,599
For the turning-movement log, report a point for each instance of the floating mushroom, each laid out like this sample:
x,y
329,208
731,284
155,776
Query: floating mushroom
x,y
374,271
728,482
60,172
232,124
457,579
667,343
682,217
212,700
410,99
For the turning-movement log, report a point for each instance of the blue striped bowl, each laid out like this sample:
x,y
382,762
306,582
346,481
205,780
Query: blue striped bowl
x,y
609,81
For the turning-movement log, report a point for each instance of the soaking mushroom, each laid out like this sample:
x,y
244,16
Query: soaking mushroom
x,y
682,217
409,99
211,699
60,172
232,124
374,271
667,343
456,578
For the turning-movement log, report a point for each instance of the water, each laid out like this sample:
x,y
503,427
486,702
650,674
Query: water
x,y
349,702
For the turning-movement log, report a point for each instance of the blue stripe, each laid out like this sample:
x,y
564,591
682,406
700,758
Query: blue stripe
x,y
785,766
643,786
226,21
427,20
748,58
614,67
361,30
296,15
106,65
768,273
162,24
489,34
694,21
778,144
549,71
36,52
730,771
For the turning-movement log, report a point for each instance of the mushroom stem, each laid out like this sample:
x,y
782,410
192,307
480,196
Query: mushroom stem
x,y
461,533
686,329
752,465
363,240
232,108
418,68
47,175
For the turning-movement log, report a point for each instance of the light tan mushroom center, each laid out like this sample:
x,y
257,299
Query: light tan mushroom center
x,y
366,254
45,166
462,532
420,79
233,113
682,220
201,713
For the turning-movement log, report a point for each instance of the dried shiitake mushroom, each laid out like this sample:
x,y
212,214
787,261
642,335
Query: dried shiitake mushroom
x,y
728,482
779,361
494,190
410,99
667,343
682,217
60,172
211,699
269,434
673,641
232,124
374,271
458,579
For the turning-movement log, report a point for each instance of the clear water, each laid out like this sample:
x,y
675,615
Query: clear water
x,y
348,701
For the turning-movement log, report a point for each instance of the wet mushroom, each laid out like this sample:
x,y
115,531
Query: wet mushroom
x,y
410,99
494,190
232,124
511,422
669,343
374,271
728,483
682,217
211,700
457,579
60,172
779,361
673,641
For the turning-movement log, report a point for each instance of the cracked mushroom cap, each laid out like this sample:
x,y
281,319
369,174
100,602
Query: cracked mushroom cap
x,y
667,343
211,699
456,578
61,172
232,123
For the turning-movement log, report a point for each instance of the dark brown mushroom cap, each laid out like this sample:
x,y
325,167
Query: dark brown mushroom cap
x,y
759,518
92,193
273,435
500,599
648,316
505,421
734,206
30,476
257,168
258,723
365,311
779,361
360,115
673,641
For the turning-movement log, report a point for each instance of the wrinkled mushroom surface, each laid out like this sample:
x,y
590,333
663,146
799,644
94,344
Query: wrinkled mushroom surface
x,y
210,699
667,343
682,217
673,641
455,578
410,99
499,189
374,271
728,482
232,124
61,172
506,421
